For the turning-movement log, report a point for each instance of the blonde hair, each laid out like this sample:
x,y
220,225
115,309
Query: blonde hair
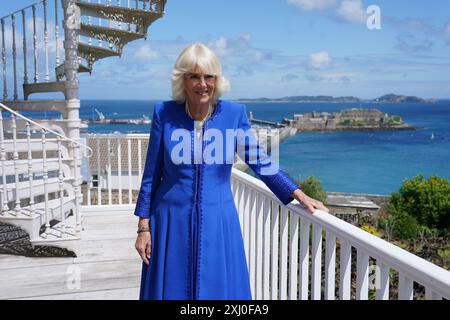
x,y
197,54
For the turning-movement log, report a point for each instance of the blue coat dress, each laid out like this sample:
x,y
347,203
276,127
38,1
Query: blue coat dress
x,y
197,245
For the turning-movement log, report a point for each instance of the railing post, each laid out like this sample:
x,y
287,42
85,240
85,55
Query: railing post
x,y
61,190
304,258
24,47
130,193
119,4
259,248
330,266
405,287
30,169
78,194
45,178
17,208
100,43
4,203
362,274
47,76
316,258
99,187
5,89
110,24
383,290
108,171
57,33
345,270
35,59
128,6
119,167
275,241
284,251
14,55
140,158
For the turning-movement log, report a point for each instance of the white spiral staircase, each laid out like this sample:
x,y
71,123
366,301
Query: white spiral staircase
x,y
40,159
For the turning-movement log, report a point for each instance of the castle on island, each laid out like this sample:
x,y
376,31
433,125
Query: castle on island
x,y
347,119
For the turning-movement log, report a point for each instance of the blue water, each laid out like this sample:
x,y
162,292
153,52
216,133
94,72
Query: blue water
x,y
360,162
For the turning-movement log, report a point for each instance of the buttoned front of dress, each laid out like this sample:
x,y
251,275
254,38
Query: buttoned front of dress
x,y
197,246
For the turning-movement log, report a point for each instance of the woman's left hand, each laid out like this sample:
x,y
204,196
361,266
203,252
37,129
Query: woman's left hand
x,y
310,203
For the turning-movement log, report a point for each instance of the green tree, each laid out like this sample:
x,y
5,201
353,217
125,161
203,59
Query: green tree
x,y
420,202
312,187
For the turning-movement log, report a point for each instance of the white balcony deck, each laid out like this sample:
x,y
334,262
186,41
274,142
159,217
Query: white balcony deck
x,y
107,263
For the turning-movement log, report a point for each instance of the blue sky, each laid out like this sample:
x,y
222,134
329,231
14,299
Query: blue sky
x,y
276,48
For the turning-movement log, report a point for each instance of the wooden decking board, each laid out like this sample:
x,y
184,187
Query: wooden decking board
x,y
108,263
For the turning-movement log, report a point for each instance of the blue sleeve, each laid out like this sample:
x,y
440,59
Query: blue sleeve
x,y
153,168
253,153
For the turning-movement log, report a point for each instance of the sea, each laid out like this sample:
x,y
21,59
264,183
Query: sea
x,y
355,161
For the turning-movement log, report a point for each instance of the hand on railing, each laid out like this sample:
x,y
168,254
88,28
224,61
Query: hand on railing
x,y
310,203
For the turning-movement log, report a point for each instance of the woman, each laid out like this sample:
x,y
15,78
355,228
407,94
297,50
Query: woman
x,y
189,235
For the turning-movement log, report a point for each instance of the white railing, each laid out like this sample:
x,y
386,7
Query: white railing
x,y
282,262
115,167
117,164
36,162
277,242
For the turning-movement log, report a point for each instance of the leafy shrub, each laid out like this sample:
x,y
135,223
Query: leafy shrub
x,y
404,226
428,201
419,206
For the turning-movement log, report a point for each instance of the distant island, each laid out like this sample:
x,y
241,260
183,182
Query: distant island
x,y
388,98
347,119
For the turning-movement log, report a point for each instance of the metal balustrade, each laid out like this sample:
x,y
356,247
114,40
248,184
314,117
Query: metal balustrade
x,y
41,170
37,27
35,161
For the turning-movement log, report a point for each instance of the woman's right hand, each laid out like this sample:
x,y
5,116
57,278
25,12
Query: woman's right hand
x,y
143,246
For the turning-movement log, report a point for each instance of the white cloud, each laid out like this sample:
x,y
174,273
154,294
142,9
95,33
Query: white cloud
x,y
220,46
225,47
146,53
352,11
309,5
319,60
